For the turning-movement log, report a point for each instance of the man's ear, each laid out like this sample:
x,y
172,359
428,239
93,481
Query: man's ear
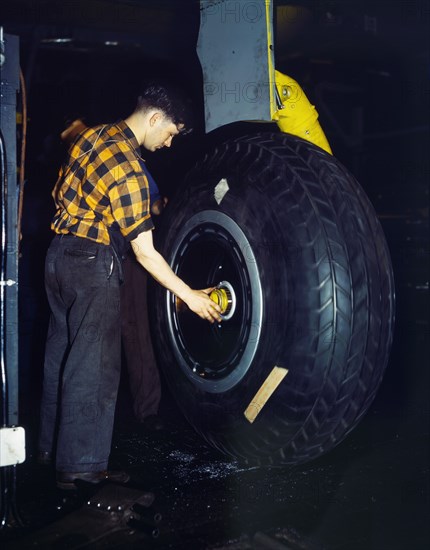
x,y
155,117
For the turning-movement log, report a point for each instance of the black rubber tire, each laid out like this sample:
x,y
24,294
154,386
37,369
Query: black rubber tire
x,y
326,308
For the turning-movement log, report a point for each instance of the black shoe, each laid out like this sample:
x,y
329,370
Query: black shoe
x,y
153,423
44,458
66,480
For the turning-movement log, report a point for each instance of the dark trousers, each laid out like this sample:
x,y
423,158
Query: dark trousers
x,y
136,340
83,354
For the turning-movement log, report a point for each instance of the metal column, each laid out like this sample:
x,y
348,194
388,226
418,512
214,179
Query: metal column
x,y
9,86
12,438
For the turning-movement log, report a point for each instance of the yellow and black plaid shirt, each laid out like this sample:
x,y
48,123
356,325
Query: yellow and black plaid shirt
x,y
102,183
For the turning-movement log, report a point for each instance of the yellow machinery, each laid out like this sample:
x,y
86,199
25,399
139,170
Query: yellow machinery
x,y
296,115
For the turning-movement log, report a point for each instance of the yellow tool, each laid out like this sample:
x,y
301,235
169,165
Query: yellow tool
x,y
220,297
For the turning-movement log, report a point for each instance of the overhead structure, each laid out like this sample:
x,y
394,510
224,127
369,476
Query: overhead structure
x,y
235,48
236,52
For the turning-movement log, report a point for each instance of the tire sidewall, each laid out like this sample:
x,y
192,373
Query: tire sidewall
x,y
271,256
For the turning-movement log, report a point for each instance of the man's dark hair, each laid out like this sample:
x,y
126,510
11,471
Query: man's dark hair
x,y
169,98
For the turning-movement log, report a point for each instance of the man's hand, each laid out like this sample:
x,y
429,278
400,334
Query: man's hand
x,y
200,303
197,300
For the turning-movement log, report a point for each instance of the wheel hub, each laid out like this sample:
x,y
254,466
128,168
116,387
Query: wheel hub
x,y
223,295
211,247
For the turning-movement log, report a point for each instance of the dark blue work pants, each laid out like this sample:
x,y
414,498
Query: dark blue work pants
x,y
83,354
145,385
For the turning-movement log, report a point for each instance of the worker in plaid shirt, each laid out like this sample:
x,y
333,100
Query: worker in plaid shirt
x,y
102,200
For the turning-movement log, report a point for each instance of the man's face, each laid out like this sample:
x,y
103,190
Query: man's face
x,y
161,132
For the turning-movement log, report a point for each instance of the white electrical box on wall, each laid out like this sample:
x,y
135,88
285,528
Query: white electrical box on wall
x,y
12,446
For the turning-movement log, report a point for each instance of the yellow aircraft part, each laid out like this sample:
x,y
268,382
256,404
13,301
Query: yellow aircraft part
x,y
297,116
221,297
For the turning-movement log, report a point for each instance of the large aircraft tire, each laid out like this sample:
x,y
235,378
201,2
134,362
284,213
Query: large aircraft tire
x,y
310,281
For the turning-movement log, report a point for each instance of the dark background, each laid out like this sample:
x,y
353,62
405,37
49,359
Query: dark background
x,y
365,65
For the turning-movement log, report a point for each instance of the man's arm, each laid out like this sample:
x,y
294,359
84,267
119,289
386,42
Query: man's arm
x,y
197,300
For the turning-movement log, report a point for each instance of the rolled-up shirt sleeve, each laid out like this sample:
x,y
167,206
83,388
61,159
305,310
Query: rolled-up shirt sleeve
x,y
130,203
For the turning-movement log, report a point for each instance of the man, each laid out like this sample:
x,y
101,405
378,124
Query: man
x,y
142,370
102,201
